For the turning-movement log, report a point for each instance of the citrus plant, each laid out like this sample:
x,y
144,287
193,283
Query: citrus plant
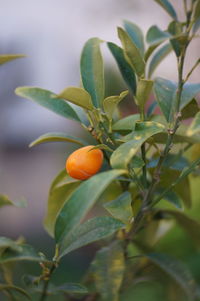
x,y
143,186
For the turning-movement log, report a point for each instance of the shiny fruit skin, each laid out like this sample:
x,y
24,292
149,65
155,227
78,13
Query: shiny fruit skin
x,y
84,162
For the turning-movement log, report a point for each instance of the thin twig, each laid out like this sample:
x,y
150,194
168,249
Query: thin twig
x,y
191,71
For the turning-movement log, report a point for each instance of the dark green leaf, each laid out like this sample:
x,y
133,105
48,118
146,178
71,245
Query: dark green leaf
x,y
167,6
92,71
24,252
132,53
4,58
194,127
190,110
158,57
190,90
57,137
124,67
165,91
156,36
78,96
176,270
92,230
9,287
72,288
120,208
135,34
172,161
126,124
173,198
81,201
108,268
60,190
143,91
48,100
110,103
191,226
122,156
175,28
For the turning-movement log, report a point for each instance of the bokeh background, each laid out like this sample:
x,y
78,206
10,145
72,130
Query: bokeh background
x,y
51,33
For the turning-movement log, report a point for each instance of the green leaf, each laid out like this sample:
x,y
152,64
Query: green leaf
x,y
4,58
167,6
110,103
137,162
132,54
135,34
176,270
124,67
78,96
173,198
197,10
196,25
60,191
194,127
92,71
48,100
190,110
191,226
190,90
155,35
122,156
57,137
165,91
143,91
126,124
149,51
120,208
81,201
186,171
158,58
5,201
24,252
103,146
108,268
6,242
72,288
177,183
92,230
175,28
9,287
151,109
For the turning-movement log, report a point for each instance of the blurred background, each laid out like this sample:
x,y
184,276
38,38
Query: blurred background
x,y
51,33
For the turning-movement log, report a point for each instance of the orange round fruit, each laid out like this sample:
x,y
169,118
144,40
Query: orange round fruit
x,y
84,162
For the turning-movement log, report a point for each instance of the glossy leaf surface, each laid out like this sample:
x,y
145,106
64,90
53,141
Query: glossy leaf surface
x,y
81,201
92,71
122,156
120,208
57,137
78,96
92,230
124,67
48,100
132,53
